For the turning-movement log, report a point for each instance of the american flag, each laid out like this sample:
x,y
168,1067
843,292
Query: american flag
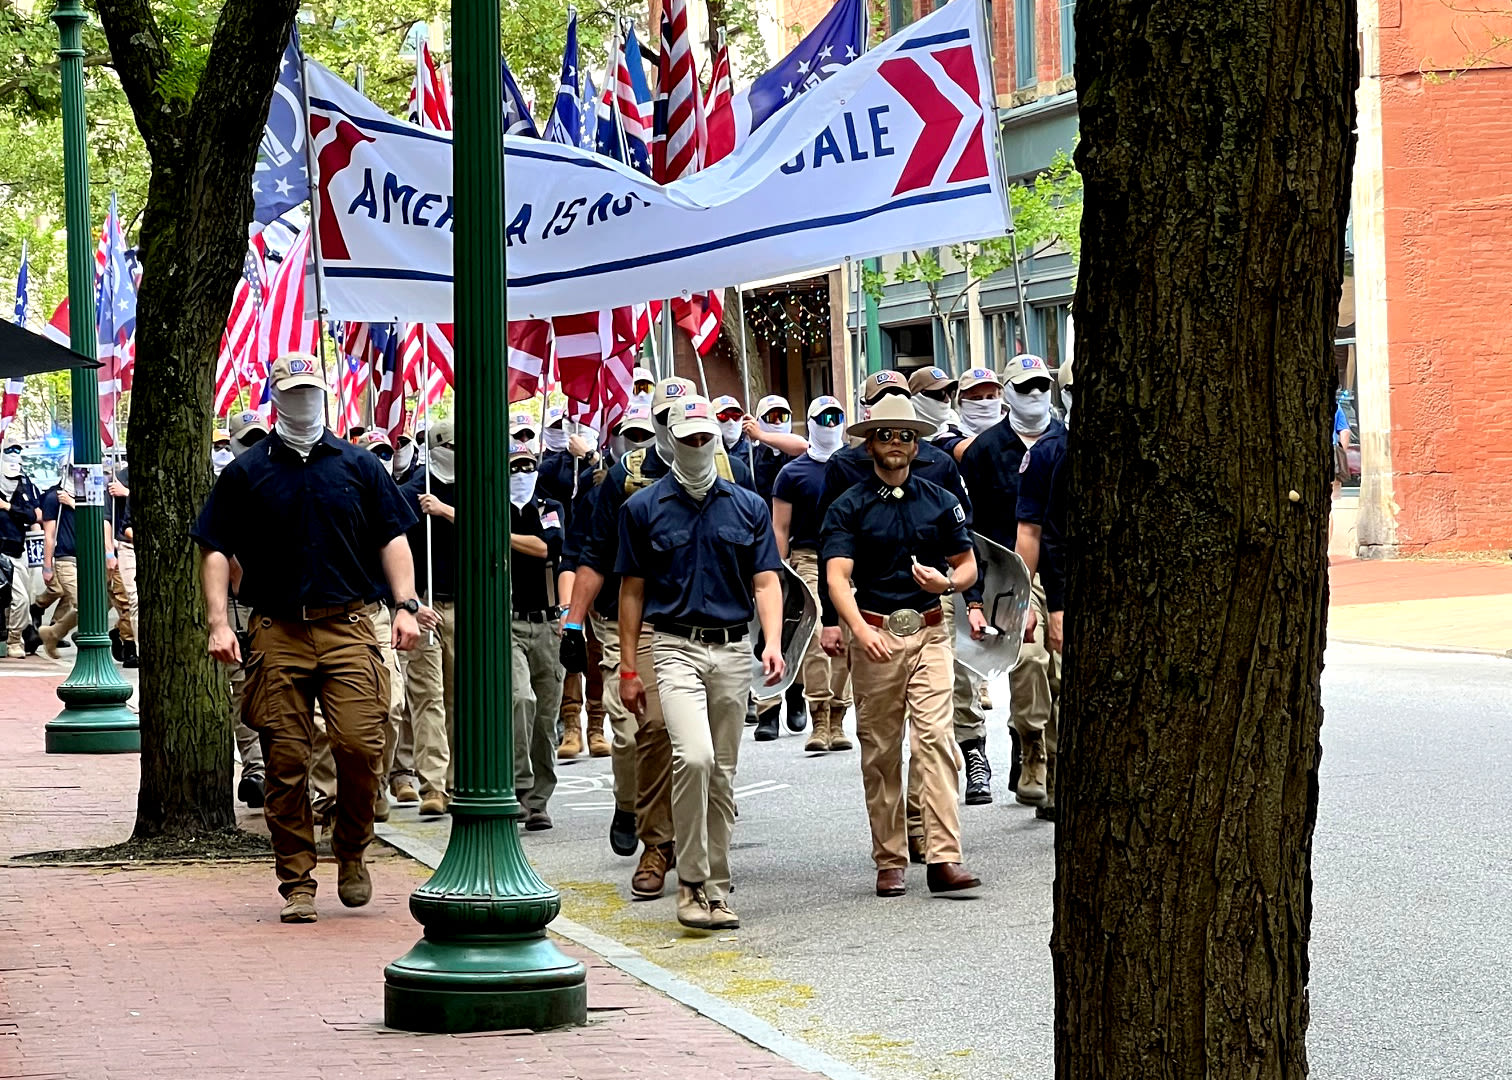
x,y
622,131
381,347
529,357
588,114
12,399
677,98
238,366
719,107
281,180
356,372
115,320
427,350
281,324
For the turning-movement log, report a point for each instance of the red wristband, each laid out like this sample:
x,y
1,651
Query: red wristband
x,y
629,674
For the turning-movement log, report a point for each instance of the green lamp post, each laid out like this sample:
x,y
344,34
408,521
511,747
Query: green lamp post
x,y
95,719
485,962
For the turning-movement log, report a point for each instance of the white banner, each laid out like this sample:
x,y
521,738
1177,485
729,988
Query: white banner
x,y
897,150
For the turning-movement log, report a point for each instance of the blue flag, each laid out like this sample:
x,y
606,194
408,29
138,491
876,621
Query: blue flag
x,y
839,38
517,118
116,297
626,139
588,128
281,180
565,126
23,277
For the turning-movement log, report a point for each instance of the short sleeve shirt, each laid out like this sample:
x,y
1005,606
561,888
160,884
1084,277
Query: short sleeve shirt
x,y
541,517
801,484
1043,476
54,510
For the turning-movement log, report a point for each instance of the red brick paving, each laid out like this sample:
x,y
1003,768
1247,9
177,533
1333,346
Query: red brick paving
x,y
1373,581
185,971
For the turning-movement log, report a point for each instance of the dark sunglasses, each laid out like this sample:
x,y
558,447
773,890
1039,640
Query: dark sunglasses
x,y
521,467
778,416
1031,385
887,435
383,453
731,414
935,395
252,438
830,418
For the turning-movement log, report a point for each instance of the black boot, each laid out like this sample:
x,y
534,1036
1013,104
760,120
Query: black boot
x,y
31,639
1015,762
129,657
750,712
766,726
36,617
622,832
797,708
116,653
978,772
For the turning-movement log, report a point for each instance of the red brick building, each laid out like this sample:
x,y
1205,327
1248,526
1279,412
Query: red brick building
x,y
1432,230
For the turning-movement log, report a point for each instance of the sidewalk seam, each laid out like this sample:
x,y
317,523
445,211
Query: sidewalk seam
x,y
747,1025
1463,650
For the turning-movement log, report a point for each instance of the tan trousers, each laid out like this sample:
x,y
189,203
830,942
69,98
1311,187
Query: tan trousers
x,y
1036,682
430,682
914,684
641,754
323,768
126,570
115,589
290,667
826,679
703,696
967,719
536,680
20,605
65,585
403,765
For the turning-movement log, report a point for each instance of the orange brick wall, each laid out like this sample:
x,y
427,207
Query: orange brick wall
x,y
1447,185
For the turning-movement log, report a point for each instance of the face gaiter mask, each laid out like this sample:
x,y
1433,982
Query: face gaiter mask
x,y
219,459
522,487
301,417
664,440
554,438
1029,413
784,428
824,441
404,457
388,465
729,433
443,464
938,413
978,416
694,467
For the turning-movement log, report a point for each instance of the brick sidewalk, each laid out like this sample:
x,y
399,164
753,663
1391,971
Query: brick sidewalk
x,y
185,971
1442,604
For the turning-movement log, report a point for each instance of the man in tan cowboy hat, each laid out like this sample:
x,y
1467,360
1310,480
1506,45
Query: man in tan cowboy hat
x,y
903,543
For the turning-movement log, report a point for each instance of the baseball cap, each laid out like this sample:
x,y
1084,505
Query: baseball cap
x,y
369,439
642,375
929,378
670,390
521,420
12,438
1026,366
724,403
977,376
519,449
636,418
297,369
441,432
883,382
824,404
692,416
243,422
221,435
772,401
555,415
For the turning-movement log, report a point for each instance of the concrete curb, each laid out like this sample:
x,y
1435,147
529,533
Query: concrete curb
x,y
747,1026
1460,650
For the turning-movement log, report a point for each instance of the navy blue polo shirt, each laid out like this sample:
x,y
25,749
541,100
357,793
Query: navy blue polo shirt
x,y
769,463
54,510
22,515
601,542
883,534
555,472
443,556
540,517
990,467
1044,477
308,533
801,485
698,559
579,521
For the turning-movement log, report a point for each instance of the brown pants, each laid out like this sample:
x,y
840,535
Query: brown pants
x,y
641,749
916,684
65,589
120,599
573,705
289,667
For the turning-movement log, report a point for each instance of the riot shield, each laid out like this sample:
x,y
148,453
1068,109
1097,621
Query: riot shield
x,y
800,615
1005,601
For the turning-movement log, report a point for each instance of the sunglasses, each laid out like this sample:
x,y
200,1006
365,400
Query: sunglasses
x,y
887,435
731,414
778,416
522,467
935,395
1031,385
830,418
383,453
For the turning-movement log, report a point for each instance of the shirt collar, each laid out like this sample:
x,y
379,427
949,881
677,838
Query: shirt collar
x,y
675,489
328,440
885,491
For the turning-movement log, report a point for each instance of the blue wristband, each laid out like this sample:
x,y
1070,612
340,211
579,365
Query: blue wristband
x,y
572,626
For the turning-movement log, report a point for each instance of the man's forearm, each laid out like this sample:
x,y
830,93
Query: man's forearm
x,y
632,604
399,569
837,576
768,591
585,591
565,581
1028,546
528,545
785,442
963,574
215,572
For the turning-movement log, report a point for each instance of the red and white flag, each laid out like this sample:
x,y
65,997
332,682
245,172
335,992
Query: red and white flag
x,y
281,324
427,350
529,357
430,97
238,367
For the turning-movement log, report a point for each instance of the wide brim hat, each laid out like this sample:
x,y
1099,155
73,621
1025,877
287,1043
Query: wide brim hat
x,y
892,411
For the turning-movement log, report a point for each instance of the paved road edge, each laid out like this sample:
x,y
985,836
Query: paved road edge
x,y
1451,650
746,1025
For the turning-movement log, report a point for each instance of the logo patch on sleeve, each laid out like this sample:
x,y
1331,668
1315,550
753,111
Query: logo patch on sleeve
x,y
551,520
1024,464
960,512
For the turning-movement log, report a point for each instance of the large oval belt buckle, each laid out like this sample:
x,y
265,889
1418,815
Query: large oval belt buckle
x,y
904,623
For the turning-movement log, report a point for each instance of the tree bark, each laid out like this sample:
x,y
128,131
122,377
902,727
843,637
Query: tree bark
x,y
1216,150
192,246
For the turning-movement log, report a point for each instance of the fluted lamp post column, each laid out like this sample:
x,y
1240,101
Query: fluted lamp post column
x,y
95,719
485,962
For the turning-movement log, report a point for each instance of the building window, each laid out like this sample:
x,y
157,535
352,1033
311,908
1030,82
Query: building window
x,y
1050,331
1068,36
899,14
1023,43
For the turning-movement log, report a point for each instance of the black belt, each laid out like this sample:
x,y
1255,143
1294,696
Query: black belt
x,y
533,616
317,614
706,635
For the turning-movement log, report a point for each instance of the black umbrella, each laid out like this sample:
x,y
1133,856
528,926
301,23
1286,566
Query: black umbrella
x,y
25,353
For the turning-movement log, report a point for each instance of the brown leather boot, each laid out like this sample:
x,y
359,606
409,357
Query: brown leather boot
x,y
598,745
837,738
818,740
572,743
650,876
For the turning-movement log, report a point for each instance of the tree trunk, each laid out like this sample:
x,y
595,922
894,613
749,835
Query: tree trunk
x,y
192,246
1216,151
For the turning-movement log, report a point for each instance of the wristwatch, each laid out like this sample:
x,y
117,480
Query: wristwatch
x,y
949,590
411,605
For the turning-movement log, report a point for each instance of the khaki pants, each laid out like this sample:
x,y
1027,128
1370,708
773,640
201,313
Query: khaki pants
x,y
19,613
826,679
703,696
573,706
430,682
115,589
323,769
537,685
1036,682
290,666
641,754
915,684
126,570
403,766
65,585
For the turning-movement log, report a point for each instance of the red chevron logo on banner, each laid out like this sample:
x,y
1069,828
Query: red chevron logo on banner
x,y
945,103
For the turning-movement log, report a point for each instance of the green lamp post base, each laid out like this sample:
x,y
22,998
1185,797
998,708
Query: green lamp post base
x,y
108,729
485,962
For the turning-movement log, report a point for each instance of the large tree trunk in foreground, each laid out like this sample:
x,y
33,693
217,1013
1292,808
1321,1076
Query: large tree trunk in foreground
x,y
193,243
1216,150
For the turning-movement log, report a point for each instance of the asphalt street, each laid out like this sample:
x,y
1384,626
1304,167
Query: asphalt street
x,y
1412,941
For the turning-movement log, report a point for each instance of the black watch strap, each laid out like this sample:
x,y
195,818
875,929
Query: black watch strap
x,y
411,605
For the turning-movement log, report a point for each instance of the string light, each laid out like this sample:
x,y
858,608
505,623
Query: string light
x,y
801,313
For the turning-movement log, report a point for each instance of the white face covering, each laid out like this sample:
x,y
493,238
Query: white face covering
x,y
978,416
301,417
642,398
443,464
10,474
1029,413
404,457
694,467
388,466
1066,400
522,487
219,459
729,432
555,438
784,428
938,413
824,441
664,439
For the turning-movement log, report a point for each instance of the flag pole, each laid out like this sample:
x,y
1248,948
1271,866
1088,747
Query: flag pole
x,y
313,169
745,369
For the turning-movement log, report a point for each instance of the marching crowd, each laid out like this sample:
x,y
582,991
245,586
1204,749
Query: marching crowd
x,y
640,571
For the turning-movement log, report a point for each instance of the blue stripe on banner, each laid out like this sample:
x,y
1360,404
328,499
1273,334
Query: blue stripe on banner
x,y
393,127
381,273
560,159
936,39
744,238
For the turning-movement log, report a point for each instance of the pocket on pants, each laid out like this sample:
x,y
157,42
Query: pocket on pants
x,y
254,677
